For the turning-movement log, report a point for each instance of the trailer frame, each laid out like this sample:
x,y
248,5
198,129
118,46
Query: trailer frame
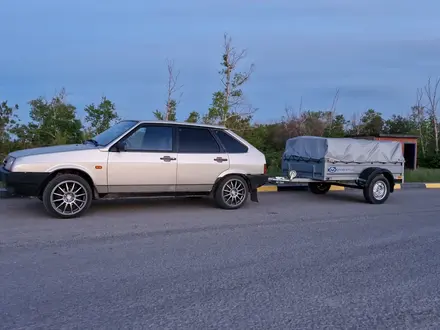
x,y
376,182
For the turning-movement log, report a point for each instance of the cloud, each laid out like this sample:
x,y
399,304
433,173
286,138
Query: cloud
x,y
377,52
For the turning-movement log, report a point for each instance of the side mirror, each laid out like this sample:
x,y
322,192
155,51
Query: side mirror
x,y
120,146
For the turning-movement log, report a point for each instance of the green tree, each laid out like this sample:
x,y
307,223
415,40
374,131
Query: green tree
x,y
338,127
193,117
100,117
418,116
158,115
53,122
398,124
267,139
431,93
335,124
27,136
171,109
8,119
372,123
316,123
229,106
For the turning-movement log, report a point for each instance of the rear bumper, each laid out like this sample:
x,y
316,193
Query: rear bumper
x,y
22,183
257,181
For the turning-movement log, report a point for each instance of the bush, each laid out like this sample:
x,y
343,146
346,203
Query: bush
x,y
429,162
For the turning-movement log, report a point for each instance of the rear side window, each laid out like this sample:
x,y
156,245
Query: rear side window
x,y
231,145
197,141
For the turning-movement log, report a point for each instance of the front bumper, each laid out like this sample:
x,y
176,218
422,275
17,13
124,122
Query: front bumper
x,y
22,183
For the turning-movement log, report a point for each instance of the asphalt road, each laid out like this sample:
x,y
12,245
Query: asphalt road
x,y
293,261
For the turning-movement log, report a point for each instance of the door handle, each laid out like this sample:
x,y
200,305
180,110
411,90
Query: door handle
x,y
220,159
167,158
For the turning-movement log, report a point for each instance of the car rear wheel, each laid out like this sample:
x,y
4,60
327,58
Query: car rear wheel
x,y
67,196
232,192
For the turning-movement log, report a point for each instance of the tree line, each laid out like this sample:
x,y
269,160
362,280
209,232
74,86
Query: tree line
x,y
56,121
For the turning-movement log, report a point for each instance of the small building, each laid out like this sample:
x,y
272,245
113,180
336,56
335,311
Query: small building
x,y
408,142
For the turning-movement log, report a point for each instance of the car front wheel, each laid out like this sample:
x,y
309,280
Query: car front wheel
x,y
232,192
67,196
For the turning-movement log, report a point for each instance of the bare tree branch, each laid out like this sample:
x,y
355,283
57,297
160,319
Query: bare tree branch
x,y
333,110
431,90
419,117
173,87
335,101
419,97
300,108
356,124
234,101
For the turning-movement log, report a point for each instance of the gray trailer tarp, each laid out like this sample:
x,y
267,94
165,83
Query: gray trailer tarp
x,y
344,150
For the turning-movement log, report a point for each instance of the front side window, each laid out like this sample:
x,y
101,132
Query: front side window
x,y
197,140
150,138
114,132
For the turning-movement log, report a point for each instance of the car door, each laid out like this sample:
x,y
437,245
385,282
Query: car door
x,y
200,159
148,164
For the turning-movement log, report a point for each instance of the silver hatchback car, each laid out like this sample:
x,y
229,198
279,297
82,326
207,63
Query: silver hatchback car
x,y
139,158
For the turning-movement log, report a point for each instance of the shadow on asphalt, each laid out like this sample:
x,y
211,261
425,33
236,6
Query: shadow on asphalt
x,y
347,196
134,204
35,209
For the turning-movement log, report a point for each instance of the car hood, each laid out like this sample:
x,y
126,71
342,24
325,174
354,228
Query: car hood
x,y
52,149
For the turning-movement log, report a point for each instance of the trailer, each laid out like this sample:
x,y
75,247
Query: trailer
x,y
373,166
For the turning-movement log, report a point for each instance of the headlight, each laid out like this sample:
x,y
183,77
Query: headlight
x,y
8,162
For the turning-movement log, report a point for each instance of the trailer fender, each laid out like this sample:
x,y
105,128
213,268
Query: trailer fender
x,y
370,173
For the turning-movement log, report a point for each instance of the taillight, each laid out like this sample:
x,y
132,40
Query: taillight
x,y
265,169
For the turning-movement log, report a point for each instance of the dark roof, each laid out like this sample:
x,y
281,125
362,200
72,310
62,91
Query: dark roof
x,y
397,136
400,136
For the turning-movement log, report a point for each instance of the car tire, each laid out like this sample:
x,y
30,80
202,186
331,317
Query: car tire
x,y
319,188
232,192
377,191
67,196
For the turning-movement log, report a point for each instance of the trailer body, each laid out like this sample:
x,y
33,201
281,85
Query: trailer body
x,y
355,163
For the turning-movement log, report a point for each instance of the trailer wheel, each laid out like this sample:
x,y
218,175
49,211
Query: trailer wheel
x,y
319,188
377,191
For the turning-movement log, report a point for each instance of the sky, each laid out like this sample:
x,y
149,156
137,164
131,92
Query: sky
x,y
376,52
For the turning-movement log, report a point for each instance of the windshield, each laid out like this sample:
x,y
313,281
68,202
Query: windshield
x,y
114,132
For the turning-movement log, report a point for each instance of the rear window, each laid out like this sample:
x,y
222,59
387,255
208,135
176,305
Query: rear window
x,y
232,145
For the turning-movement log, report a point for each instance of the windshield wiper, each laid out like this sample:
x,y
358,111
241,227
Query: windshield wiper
x,y
95,143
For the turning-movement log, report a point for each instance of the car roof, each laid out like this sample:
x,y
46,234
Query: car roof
x,y
177,123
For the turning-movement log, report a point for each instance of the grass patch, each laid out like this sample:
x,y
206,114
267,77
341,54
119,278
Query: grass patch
x,y
423,175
